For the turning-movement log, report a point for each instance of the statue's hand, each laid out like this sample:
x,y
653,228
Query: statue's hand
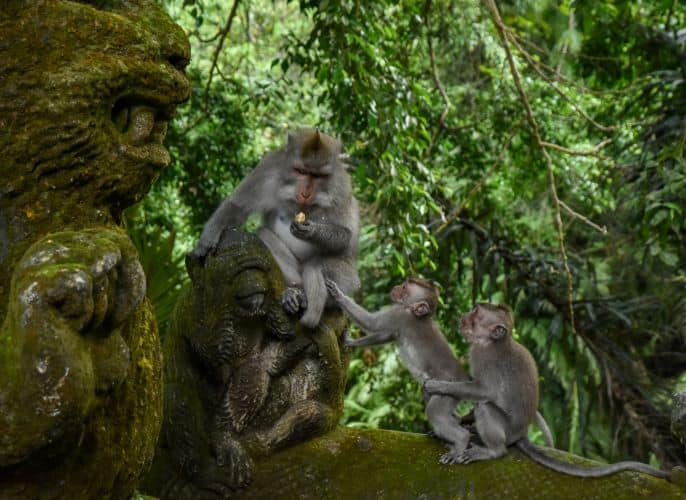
x,y
92,280
232,457
70,293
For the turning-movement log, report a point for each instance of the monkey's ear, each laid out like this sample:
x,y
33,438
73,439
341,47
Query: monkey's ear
x,y
498,332
420,309
291,143
345,161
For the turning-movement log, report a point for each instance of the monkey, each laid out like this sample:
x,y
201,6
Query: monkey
x,y
422,347
504,387
310,219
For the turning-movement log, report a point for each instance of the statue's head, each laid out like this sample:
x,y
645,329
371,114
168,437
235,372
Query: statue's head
x,y
86,93
240,281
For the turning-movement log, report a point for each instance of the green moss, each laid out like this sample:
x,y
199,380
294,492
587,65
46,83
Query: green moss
x,y
80,395
372,464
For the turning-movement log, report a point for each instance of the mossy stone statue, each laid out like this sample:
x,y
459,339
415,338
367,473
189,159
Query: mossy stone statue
x,y
242,378
86,89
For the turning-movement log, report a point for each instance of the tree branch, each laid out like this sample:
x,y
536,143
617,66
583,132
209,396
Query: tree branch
x,y
502,32
437,82
477,187
223,33
577,152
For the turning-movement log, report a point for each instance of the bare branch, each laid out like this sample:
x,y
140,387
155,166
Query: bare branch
x,y
502,32
577,152
582,218
437,82
535,66
217,50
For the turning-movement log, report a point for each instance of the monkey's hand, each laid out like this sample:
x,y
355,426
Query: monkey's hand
x,y
333,290
302,230
293,300
330,238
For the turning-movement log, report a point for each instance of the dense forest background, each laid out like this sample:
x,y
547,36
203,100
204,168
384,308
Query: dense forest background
x,y
530,153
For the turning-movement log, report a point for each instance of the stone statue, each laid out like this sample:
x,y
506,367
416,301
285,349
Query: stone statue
x,y
86,89
242,379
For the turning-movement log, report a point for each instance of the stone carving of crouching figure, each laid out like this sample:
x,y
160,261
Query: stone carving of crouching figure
x,y
242,378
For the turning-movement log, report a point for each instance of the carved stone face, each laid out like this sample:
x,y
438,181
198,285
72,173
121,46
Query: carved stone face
x,y
86,89
238,289
86,94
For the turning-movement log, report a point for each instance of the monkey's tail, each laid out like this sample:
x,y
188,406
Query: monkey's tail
x,y
543,425
537,455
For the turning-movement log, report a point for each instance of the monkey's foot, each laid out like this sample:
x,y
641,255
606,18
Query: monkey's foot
x,y
477,453
310,319
293,300
453,455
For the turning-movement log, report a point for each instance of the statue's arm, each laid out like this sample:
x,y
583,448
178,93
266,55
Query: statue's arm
x,y
60,342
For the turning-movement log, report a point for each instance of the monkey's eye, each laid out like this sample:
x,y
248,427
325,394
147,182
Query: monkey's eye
x,y
300,170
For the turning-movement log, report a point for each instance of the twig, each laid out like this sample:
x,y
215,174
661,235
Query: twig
x,y
437,82
579,152
577,215
500,26
554,85
559,76
477,187
217,50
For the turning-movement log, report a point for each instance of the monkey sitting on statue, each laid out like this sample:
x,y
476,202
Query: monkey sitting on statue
x,y
504,386
310,219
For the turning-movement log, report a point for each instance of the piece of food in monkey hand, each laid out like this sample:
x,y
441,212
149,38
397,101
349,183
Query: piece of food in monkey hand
x,y
300,217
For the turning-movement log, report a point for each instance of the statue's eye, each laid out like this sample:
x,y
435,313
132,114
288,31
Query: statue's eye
x,y
251,302
250,290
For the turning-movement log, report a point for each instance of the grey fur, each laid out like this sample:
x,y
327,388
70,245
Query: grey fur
x,y
424,351
323,246
504,386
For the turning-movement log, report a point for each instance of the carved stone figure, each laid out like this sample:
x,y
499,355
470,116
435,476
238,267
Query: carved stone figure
x,y
242,378
86,89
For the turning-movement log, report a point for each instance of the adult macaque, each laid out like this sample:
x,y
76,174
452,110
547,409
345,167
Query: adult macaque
x,y
504,386
310,219
423,348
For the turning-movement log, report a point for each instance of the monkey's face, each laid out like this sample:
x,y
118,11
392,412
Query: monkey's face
x,y
409,293
483,325
311,182
400,294
313,175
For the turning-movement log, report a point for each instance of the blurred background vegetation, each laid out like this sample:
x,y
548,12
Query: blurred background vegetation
x,y
572,213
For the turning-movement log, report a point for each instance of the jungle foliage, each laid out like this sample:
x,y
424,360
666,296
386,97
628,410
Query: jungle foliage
x,y
572,212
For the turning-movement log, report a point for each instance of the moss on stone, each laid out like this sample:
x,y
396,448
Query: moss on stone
x,y
373,464
80,395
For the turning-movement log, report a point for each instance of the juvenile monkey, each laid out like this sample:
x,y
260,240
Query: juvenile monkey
x,y
504,386
310,219
423,348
